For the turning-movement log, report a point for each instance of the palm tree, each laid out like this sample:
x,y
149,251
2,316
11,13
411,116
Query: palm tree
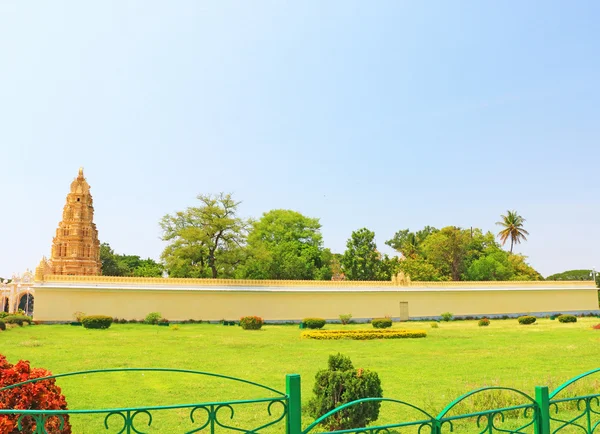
x,y
513,229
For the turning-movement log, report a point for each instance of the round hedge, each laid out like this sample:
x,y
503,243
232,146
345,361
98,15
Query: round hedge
x,y
483,322
567,318
251,322
96,321
313,323
527,319
381,323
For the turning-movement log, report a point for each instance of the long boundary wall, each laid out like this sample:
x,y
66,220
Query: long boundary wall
x,y
58,297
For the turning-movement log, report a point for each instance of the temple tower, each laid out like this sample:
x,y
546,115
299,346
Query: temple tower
x,y
75,248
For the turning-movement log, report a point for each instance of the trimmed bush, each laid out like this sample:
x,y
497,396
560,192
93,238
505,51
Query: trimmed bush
x,y
2,325
152,318
313,323
527,319
447,316
434,325
345,318
339,384
362,335
163,322
381,323
567,318
251,322
483,322
17,319
42,395
96,321
596,327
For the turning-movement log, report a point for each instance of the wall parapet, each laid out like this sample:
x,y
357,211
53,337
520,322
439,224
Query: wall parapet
x,y
306,283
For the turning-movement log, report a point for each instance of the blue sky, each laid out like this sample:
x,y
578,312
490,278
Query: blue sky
x,y
388,115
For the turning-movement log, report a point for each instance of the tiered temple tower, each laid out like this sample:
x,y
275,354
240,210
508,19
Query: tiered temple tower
x,y
75,248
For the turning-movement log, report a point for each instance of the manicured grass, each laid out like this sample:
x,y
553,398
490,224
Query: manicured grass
x,y
455,358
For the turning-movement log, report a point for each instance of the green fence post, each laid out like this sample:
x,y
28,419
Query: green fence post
x,y
294,414
542,422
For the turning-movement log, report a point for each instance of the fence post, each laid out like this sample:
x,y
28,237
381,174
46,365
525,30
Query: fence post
x,y
542,421
294,414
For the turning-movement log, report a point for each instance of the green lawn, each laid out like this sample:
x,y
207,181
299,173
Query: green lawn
x,y
454,358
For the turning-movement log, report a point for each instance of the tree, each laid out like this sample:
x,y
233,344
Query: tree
x,y
361,259
446,250
285,244
407,242
114,264
572,275
513,229
204,241
494,266
420,270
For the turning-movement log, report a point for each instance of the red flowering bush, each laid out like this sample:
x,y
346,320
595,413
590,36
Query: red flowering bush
x,y
41,395
251,322
596,327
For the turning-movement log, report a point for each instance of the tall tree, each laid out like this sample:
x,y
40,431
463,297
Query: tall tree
x,y
446,250
361,259
512,224
285,244
114,264
407,242
204,241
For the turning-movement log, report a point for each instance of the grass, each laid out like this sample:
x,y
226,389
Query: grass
x,y
455,358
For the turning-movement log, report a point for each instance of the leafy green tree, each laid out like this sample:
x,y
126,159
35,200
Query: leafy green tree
x,y
388,267
572,275
512,224
285,244
522,270
114,264
494,266
361,260
446,250
407,242
420,270
204,241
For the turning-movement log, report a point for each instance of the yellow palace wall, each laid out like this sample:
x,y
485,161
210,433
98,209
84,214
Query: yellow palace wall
x,y
57,298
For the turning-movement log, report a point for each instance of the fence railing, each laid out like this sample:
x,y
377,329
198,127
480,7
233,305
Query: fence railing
x,y
557,412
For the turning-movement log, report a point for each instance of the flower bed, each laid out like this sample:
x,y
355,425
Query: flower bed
x,y
363,334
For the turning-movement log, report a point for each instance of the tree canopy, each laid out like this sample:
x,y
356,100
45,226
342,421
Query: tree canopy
x,y
572,275
114,264
285,244
206,240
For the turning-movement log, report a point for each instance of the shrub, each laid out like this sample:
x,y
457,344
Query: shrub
x,y
355,384
123,321
567,318
434,325
163,322
251,322
152,318
133,321
17,319
596,327
2,325
362,335
345,318
78,316
447,316
96,321
527,319
483,322
314,323
381,323
41,395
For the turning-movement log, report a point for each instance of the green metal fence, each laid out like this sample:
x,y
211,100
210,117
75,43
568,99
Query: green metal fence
x,y
543,412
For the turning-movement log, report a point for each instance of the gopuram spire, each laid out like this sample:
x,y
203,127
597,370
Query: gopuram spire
x,y
75,248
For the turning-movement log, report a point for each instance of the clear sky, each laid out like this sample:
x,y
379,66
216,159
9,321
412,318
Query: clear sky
x,y
388,115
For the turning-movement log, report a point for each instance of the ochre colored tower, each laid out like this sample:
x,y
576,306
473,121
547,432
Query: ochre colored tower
x,y
75,248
